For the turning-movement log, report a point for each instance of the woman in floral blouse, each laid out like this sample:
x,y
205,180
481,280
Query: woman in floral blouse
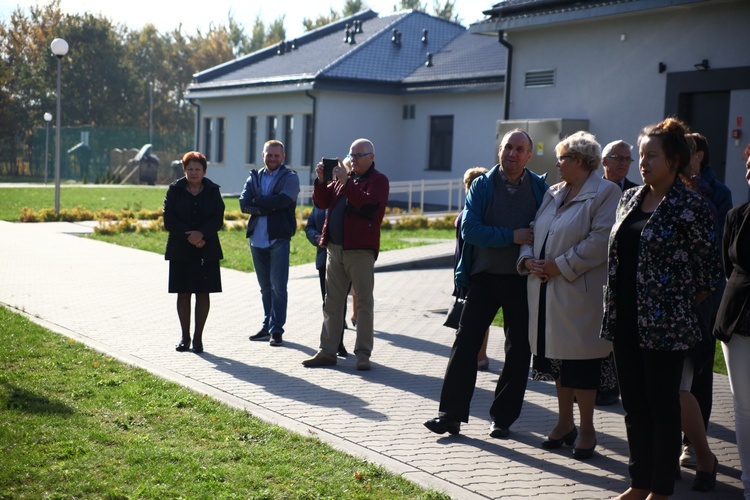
x,y
663,260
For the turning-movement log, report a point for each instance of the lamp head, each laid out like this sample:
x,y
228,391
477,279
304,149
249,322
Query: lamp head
x,y
59,47
47,117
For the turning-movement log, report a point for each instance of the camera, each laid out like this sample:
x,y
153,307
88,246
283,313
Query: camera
x,y
328,165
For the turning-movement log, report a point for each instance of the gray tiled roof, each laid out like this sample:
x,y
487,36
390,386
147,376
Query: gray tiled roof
x,y
321,58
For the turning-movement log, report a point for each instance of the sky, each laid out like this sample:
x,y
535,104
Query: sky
x,y
168,14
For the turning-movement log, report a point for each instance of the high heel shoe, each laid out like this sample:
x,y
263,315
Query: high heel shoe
x,y
584,453
554,443
706,481
197,346
183,346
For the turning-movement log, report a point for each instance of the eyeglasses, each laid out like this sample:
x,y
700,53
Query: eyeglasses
x,y
564,157
357,156
619,158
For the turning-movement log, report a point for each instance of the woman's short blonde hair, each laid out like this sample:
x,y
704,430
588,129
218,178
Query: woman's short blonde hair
x,y
472,174
582,145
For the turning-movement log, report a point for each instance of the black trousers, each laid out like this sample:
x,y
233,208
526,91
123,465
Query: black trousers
x,y
487,294
649,386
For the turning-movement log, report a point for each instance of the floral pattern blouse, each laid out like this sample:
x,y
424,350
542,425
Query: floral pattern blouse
x,y
678,258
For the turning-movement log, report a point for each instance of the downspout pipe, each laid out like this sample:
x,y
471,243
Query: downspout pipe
x,y
197,123
508,71
314,128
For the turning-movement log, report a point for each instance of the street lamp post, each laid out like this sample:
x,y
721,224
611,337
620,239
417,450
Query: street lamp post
x,y
59,49
47,118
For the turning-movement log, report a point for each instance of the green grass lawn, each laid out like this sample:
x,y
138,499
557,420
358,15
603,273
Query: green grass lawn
x,y
77,424
237,253
13,199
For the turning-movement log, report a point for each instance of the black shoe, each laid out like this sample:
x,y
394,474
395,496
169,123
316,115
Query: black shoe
x,y
275,340
496,431
584,453
342,352
706,481
441,425
606,399
183,346
553,444
197,347
261,335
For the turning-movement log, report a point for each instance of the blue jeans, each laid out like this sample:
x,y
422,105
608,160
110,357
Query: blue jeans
x,y
272,269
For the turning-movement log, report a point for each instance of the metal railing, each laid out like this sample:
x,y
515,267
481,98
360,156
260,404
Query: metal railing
x,y
414,190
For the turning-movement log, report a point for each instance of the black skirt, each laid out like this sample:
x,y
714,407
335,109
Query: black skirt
x,y
195,276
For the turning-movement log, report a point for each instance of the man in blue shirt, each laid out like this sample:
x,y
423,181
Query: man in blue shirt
x,y
270,197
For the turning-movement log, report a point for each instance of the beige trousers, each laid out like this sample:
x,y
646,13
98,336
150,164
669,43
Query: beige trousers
x,y
344,267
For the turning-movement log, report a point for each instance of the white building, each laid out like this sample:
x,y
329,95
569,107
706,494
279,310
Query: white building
x,y
424,90
624,64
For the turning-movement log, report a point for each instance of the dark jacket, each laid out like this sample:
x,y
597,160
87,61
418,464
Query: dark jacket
x,y
366,197
184,212
279,206
735,301
627,184
313,228
719,194
473,229
678,258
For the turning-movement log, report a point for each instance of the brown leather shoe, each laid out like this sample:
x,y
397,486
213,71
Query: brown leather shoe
x,y
363,363
320,359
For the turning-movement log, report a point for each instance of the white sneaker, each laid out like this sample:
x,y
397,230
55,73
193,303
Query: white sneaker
x,y
687,459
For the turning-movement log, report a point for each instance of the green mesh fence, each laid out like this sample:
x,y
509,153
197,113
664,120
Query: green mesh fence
x,y
101,154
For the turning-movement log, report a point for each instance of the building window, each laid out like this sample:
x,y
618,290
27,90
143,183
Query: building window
x,y
409,112
220,140
252,139
288,133
271,128
208,132
441,142
309,132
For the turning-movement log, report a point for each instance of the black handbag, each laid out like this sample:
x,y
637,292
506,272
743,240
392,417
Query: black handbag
x,y
454,313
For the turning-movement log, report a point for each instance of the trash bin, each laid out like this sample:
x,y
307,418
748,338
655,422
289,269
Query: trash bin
x,y
148,165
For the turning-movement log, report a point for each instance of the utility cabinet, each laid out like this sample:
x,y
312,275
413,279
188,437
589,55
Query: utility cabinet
x,y
546,133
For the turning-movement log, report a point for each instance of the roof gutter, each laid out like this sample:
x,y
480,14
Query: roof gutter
x,y
508,71
197,123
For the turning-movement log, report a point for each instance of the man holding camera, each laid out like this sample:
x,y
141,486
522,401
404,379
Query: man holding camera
x,y
356,202
270,197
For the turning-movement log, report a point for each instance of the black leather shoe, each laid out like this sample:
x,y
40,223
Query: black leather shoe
x,y
441,425
276,340
183,346
342,352
261,335
553,444
706,481
197,347
496,431
584,453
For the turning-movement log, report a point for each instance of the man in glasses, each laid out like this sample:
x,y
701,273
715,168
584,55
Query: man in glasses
x,y
616,159
356,202
499,209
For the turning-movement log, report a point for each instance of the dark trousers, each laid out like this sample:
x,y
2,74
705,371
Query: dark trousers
x,y
487,294
649,386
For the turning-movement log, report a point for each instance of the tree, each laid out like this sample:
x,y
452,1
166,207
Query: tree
x,y
321,20
351,7
447,11
276,32
411,4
